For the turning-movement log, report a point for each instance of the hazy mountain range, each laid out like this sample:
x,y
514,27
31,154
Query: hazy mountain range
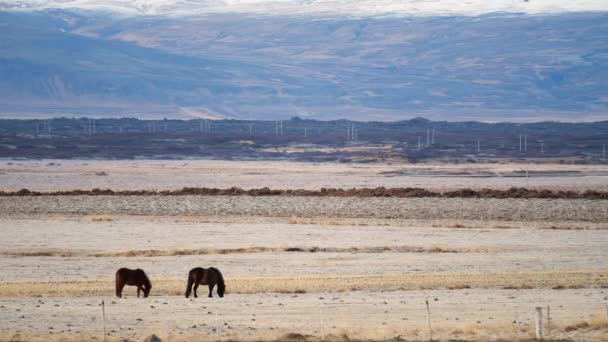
x,y
365,60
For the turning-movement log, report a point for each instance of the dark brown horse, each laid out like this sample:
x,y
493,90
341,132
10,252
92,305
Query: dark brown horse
x,y
205,276
138,277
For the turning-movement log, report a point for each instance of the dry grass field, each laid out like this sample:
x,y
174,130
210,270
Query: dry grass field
x,y
300,268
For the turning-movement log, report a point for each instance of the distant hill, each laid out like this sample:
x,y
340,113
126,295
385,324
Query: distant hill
x,y
493,67
304,140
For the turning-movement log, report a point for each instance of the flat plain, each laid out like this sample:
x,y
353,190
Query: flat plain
x,y
55,175
300,268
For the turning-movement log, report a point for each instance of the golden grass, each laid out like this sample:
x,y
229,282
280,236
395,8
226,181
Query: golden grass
x,y
501,226
102,218
470,328
323,283
43,253
576,325
475,331
436,249
561,287
598,321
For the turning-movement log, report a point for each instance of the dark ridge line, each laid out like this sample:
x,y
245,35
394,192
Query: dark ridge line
x,y
249,250
330,192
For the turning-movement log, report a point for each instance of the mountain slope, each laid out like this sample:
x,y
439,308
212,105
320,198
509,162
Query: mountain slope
x,y
491,67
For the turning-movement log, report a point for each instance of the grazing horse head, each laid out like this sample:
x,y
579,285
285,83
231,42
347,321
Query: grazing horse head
x,y
147,285
221,287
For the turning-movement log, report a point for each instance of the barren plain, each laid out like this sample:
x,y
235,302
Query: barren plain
x,y
302,268
55,175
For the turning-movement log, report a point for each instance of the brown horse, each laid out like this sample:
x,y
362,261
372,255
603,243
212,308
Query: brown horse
x,y
205,276
138,277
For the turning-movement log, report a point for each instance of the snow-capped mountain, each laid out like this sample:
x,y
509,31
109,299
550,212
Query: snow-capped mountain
x,y
357,8
366,60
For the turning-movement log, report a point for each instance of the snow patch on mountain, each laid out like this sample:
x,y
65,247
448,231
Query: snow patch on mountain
x,y
354,8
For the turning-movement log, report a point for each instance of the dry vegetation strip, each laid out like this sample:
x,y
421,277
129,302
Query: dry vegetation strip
x,y
326,283
354,192
246,250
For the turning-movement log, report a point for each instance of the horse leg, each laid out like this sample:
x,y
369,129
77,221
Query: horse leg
x,y
189,286
119,287
195,288
211,290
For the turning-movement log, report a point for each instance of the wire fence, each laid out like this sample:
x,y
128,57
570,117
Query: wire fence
x,y
216,319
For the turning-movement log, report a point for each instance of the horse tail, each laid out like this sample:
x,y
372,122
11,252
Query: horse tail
x,y
221,286
118,282
190,283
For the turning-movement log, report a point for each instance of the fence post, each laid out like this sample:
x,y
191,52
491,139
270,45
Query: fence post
x,y
103,320
217,325
321,324
548,322
428,319
539,323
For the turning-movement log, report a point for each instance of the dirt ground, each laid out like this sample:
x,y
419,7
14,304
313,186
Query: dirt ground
x,y
463,314
55,175
53,281
405,246
315,268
